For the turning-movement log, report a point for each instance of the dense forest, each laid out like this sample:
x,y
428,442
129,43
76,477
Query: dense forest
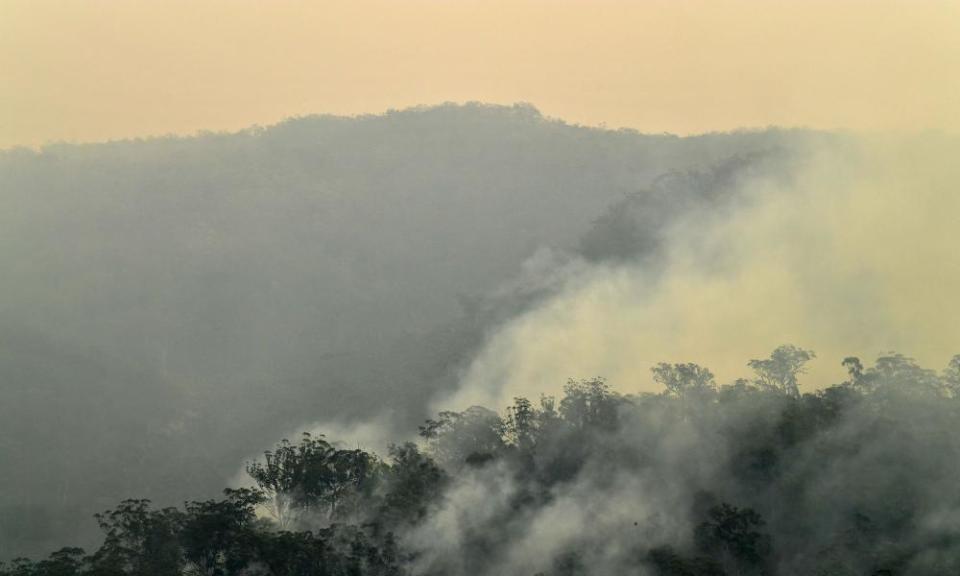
x,y
171,306
746,478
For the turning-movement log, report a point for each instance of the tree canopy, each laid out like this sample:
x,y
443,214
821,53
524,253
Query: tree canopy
x,y
753,477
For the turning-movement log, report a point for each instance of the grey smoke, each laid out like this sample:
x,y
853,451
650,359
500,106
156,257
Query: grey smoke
x,y
171,305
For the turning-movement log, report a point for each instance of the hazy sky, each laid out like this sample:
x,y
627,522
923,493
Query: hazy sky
x,y
97,69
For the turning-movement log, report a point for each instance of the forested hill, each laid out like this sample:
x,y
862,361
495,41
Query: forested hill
x,y
172,305
746,478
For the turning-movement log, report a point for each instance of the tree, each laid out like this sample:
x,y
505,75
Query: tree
x,y
413,483
139,541
590,404
287,475
347,484
334,551
314,476
854,369
732,535
780,371
895,369
520,424
218,535
455,436
63,562
685,380
896,373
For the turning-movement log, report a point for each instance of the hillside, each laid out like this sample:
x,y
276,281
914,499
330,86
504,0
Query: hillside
x,y
189,300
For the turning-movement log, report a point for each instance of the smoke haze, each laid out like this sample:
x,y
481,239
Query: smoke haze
x,y
175,306
181,303
851,253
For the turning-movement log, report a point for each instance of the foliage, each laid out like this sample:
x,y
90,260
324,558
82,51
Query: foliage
x,y
314,477
781,370
751,478
683,380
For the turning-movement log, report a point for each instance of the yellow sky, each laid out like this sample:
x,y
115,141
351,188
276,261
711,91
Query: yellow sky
x,y
82,70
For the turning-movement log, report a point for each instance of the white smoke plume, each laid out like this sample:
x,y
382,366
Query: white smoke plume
x,y
855,254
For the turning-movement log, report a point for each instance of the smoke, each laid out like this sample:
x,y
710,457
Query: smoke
x,y
322,269
850,253
854,253
272,266
633,492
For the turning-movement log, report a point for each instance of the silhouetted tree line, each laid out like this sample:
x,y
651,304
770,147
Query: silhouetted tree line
x,y
748,478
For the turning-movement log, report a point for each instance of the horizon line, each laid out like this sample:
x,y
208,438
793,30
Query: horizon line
x,y
417,108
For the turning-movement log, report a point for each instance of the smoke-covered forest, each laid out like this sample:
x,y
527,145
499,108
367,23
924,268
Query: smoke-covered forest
x,y
172,306
750,477
403,297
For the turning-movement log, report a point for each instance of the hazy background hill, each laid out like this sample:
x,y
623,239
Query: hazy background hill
x,y
170,304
